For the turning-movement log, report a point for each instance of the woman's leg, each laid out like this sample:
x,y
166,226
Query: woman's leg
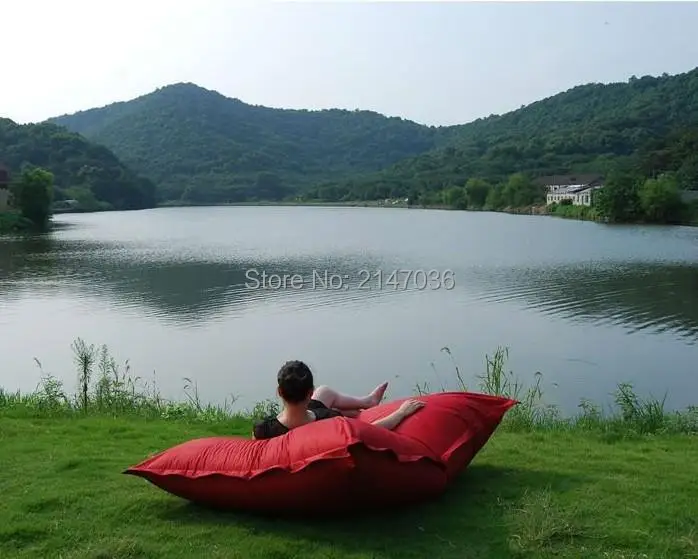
x,y
333,399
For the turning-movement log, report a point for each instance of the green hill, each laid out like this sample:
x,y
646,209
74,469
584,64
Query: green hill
x,y
83,170
200,146
646,125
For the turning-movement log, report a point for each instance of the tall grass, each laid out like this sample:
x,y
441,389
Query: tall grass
x,y
629,415
109,389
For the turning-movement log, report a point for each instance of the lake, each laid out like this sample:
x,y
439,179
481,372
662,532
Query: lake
x,y
178,292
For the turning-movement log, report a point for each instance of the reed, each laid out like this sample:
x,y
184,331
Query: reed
x,y
106,388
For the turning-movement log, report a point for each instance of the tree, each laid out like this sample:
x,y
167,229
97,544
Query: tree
x,y
456,198
660,200
269,187
520,191
495,198
85,198
618,200
687,175
477,191
34,195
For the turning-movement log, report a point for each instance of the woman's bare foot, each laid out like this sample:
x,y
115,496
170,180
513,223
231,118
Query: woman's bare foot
x,y
376,397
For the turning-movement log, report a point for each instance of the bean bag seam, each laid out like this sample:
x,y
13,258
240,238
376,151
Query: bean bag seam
x,y
334,454
464,438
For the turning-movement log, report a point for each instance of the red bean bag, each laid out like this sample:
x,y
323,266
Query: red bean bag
x,y
347,463
453,425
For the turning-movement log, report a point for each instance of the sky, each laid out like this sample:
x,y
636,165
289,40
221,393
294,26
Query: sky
x,y
435,63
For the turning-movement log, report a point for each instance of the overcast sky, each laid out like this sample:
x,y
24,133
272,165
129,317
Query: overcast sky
x,y
435,63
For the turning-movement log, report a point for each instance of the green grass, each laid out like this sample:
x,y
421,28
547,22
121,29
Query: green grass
x,y
615,485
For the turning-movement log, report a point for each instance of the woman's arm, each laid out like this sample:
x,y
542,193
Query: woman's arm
x,y
390,421
394,419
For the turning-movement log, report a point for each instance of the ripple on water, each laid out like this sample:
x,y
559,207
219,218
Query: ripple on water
x,y
188,289
640,297
189,278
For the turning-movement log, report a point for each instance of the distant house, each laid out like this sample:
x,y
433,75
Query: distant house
x,y
577,188
4,188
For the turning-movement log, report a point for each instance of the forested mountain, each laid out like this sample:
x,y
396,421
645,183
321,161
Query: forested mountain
x,y
648,125
82,170
198,145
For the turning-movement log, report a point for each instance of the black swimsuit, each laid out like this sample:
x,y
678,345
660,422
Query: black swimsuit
x,y
272,427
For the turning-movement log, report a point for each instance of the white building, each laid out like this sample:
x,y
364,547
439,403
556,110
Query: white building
x,y
577,188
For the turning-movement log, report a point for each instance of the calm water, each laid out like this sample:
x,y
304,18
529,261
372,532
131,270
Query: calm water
x,y
587,305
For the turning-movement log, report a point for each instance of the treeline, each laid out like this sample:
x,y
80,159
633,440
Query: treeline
x,y
629,198
83,171
646,126
32,197
626,197
517,191
632,198
429,175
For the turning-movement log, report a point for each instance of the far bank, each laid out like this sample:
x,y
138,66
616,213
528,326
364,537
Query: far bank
x,y
580,213
13,222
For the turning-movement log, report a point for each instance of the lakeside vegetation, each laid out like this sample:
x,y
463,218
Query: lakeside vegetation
x,y
82,170
626,197
595,485
106,387
32,196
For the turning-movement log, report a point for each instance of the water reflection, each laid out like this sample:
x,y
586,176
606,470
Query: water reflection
x,y
178,287
188,286
654,297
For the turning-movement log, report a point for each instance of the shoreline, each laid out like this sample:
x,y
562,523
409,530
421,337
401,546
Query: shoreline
x,y
534,210
539,494
100,376
539,487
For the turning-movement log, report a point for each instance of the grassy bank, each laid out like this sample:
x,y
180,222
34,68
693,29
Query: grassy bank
x,y
614,485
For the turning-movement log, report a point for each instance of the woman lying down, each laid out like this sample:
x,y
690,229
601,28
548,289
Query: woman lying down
x,y
303,403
